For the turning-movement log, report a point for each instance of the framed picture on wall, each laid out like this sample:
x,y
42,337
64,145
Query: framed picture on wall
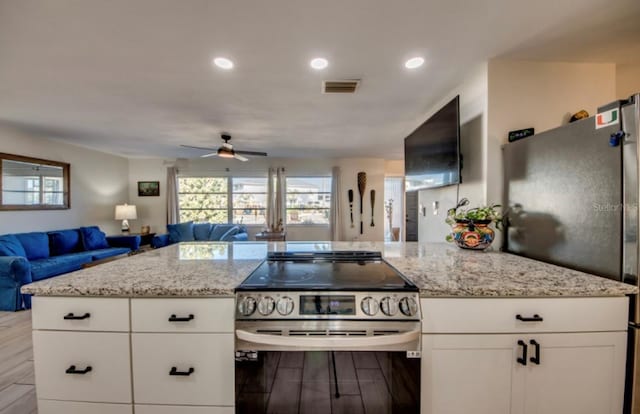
x,y
148,188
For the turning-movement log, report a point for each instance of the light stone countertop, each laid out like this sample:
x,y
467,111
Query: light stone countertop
x,y
208,269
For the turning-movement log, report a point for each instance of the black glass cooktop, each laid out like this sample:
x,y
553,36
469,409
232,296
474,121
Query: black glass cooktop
x,y
359,271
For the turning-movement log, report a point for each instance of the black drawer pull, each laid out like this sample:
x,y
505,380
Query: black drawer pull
x,y
536,358
534,318
72,317
174,318
72,370
523,360
174,371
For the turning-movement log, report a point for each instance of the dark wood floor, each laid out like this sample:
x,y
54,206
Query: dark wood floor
x,y
17,389
303,382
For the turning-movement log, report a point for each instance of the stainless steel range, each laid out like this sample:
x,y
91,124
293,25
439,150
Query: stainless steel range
x,y
304,307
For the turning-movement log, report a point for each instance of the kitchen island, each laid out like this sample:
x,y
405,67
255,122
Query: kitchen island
x,y
500,333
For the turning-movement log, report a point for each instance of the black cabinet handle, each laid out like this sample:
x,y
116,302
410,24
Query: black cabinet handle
x,y
523,359
174,318
174,371
534,318
72,317
72,370
536,358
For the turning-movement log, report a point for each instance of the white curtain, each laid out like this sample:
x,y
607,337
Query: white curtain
x,y
335,220
173,213
276,198
270,199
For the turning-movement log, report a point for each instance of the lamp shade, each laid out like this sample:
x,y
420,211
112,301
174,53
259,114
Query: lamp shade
x,y
126,212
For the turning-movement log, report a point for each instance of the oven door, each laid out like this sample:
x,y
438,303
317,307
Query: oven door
x,y
327,367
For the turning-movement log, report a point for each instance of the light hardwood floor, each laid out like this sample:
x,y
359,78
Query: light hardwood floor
x,y
17,389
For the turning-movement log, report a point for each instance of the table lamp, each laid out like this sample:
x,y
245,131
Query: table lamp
x,y
125,212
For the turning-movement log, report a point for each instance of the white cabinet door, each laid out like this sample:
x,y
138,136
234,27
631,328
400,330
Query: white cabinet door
x,y
206,362
578,374
71,407
82,366
464,374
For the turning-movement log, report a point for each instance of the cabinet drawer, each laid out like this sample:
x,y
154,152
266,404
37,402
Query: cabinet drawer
x,y
109,379
210,355
182,409
81,314
187,315
70,407
452,315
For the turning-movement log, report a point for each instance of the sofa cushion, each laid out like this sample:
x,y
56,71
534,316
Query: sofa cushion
x,y
218,230
64,242
201,231
93,238
57,265
180,232
228,236
10,246
111,251
36,245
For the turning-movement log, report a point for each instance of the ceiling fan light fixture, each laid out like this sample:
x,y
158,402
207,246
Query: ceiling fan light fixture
x,y
225,154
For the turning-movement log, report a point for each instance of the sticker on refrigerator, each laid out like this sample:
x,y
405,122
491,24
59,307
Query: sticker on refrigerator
x,y
607,118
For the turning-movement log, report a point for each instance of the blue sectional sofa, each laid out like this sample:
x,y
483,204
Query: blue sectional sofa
x,y
29,257
191,231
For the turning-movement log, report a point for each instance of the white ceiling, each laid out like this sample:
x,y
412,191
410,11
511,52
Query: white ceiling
x,y
134,77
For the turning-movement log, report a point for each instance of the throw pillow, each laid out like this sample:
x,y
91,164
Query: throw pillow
x,y
228,236
218,230
201,231
64,242
180,232
36,245
10,246
93,238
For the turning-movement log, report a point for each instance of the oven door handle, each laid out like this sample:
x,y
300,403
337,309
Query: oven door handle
x,y
328,341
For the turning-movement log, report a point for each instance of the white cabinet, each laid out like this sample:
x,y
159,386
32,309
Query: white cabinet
x,y
100,355
469,368
202,364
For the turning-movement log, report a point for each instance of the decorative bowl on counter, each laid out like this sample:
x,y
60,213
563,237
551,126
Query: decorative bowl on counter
x,y
474,235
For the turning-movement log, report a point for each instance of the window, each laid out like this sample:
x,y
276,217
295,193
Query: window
x,y
33,184
308,200
241,200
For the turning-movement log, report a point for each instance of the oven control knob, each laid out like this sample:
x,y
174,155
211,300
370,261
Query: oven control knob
x,y
266,305
284,305
369,306
389,305
247,306
408,306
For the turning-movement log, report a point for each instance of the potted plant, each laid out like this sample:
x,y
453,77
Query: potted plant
x,y
471,227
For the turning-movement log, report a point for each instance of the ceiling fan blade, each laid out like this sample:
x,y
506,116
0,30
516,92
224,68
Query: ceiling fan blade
x,y
200,148
262,154
227,145
211,154
240,157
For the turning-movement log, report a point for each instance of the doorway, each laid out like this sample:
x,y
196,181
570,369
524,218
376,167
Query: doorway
x,y
393,208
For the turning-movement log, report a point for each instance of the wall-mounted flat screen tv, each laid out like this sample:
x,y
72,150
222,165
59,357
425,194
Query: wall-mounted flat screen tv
x,y
432,151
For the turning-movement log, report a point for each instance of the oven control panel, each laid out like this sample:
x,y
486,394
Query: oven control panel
x,y
385,305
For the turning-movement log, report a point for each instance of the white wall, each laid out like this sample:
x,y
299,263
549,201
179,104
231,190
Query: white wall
x,y
627,80
99,181
473,118
152,210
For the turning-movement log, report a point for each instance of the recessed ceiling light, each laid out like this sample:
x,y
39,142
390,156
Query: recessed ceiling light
x,y
223,63
319,63
414,62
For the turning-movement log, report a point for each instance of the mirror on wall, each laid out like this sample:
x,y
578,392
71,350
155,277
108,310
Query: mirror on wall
x,y
33,184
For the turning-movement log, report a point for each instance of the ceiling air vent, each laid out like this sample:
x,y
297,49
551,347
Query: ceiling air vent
x,y
341,86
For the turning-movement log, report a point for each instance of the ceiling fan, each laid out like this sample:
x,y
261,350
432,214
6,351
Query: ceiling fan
x,y
226,150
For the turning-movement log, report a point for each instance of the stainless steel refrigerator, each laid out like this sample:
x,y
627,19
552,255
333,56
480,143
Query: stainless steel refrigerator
x,y
572,194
